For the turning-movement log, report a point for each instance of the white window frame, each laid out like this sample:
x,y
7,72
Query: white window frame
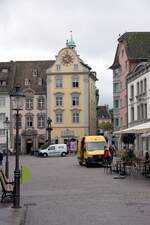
x,y
35,72
75,67
41,121
2,132
41,102
59,117
29,103
59,100
75,117
59,82
75,81
2,83
2,101
29,121
40,81
132,114
2,117
27,82
75,100
145,85
58,67
4,70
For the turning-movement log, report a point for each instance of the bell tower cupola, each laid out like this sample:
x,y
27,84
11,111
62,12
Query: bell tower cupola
x,y
70,43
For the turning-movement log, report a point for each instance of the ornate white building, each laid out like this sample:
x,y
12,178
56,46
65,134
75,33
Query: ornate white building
x,y
138,92
6,83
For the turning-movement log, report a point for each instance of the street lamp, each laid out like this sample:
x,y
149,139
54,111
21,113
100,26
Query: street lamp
x,y
6,126
49,129
17,104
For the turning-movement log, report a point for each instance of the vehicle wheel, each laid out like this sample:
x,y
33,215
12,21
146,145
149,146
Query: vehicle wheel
x,y
80,163
44,155
63,154
87,164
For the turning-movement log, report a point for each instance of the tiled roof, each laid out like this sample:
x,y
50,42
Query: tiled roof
x,y
24,70
137,44
103,112
7,73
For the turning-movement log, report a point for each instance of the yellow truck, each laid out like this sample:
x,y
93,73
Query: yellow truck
x,y
91,150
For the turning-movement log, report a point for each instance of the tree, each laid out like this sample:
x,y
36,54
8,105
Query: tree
x,y
106,126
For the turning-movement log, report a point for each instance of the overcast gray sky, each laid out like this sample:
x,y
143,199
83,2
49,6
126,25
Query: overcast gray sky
x,y
37,30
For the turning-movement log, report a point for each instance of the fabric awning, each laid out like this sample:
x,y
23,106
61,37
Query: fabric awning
x,y
139,129
146,134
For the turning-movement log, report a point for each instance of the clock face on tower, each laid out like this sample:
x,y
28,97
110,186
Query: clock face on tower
x,y
67,58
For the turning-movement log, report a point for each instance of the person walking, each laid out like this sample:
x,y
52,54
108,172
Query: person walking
x,y
1,158
147,157
111,150
107,156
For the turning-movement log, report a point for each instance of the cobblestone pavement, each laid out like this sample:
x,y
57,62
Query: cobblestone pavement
x,y
63,193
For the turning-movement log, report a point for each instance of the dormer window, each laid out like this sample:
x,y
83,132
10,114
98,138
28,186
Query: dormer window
x,y
58,67
4,70
27,82
75,67
40,81
35,72
2,83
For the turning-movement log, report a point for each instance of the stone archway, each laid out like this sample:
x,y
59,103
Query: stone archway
x,y
29,141
29,146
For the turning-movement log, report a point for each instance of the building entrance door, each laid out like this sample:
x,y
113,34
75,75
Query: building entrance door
x,y
29,145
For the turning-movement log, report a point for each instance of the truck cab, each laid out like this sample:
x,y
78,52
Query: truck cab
x,y
91,150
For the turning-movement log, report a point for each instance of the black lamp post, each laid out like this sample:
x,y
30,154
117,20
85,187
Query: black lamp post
x,y
49,129
6,126
17,104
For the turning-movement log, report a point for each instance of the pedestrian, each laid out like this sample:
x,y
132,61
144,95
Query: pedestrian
x,y
1,158
146,157
111,150
114,149
130,153
107,156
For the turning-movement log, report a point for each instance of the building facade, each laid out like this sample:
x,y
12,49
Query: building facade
x,y
132,48
116,98
63,90
138,83
71,96
31,77
6,83
103,116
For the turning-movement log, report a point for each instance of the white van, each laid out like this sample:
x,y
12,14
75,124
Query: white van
x,y
53,150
